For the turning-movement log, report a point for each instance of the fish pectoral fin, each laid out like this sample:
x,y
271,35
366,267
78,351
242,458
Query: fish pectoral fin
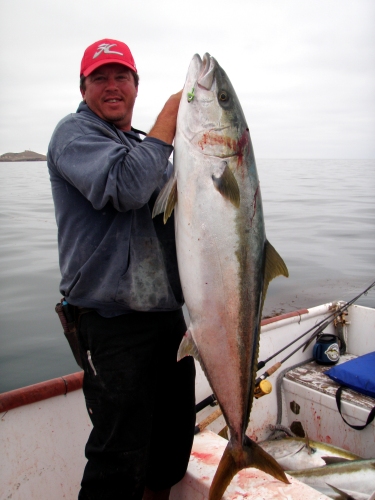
x,y
335,460
227,186
188,347
166,200
236,459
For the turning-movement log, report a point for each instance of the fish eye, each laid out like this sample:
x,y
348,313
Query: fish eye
x,y
223,95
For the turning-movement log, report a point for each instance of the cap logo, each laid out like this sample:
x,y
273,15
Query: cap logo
x,y
105,48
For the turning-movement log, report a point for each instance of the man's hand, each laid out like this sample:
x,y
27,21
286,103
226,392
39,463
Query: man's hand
x,y
165,125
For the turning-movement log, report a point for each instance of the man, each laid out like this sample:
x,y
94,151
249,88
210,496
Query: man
x,y
120,278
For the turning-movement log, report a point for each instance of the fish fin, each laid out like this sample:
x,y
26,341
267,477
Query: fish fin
x,y
237,458
224,433
274,266
227,186
335,460
188,347
166,200
343,494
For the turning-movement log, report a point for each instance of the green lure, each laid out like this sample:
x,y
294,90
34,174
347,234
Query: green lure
x,y
191,95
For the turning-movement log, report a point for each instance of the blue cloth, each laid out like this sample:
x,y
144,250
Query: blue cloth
x,y
357,374
114,257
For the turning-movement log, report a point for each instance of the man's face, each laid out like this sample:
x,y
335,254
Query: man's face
x,y
110,93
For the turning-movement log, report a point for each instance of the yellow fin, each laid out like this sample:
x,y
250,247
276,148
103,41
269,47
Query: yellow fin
x,y
274,266
236,459
166,200
188,347
227,185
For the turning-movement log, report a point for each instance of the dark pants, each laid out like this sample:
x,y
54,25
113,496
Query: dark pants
x,y
141,403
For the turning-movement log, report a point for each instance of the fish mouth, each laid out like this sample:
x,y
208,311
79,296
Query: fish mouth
x,y
207,74
204,70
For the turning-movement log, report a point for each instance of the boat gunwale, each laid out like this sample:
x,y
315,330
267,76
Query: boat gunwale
x,y
73,382
38,392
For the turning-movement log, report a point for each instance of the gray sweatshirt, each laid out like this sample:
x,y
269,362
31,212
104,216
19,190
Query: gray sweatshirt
x,y
113,256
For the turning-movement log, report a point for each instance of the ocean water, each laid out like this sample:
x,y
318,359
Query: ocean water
x,y
319,215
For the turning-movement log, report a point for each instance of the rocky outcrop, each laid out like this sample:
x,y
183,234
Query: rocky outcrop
x,y
25,156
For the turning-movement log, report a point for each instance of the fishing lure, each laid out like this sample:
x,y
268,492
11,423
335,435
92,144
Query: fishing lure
x,y
191,95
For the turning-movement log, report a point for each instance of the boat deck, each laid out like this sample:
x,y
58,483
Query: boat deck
x,y
250,483
312,376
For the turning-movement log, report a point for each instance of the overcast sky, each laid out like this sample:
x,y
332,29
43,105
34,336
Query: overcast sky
x,y
304,70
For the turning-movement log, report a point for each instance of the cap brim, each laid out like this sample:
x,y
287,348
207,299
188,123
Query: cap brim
x,y
97,64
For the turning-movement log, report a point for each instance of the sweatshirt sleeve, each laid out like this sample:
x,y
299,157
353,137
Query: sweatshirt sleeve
x,y
105,170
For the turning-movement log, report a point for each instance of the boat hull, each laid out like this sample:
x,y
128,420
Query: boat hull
x,y
44,427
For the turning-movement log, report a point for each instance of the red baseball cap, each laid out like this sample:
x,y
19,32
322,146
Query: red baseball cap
x,y
104,52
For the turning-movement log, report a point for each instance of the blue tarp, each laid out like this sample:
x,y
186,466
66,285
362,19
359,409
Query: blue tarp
x,y
357,374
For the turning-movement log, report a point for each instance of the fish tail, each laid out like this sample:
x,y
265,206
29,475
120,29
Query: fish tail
x,y
237,458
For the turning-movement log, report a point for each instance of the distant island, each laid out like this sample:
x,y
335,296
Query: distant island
x,y
25,156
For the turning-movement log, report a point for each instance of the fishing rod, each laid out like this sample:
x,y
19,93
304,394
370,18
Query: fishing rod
x,y
276,366
319,327
338,312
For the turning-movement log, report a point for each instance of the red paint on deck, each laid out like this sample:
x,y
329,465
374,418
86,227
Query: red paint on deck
x,y
39,392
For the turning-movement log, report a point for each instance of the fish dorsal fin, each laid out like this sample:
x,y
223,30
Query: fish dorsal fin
x,y
166,200
227,185
274,266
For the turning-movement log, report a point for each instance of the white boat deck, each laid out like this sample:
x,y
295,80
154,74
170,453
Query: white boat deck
x,y
312,375
248,484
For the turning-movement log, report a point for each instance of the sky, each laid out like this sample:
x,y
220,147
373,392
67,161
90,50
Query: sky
x,y
304,70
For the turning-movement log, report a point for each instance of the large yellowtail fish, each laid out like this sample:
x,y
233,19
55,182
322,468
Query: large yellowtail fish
x,y
295,453
225,261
